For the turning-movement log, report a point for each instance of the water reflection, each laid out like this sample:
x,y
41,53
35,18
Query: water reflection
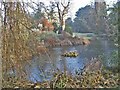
x,y
43,66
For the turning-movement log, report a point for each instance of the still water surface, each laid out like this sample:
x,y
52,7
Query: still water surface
x,y
42,67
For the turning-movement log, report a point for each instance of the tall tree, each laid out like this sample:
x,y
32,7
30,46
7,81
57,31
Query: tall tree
x,y
62,9
113,20
16,36
85,20
68,25
101,16
0,50
92,19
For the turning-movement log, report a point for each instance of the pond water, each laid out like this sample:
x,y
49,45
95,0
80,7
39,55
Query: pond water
x,y
42,67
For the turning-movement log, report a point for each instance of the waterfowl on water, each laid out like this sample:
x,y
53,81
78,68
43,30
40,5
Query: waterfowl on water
x,y
70,54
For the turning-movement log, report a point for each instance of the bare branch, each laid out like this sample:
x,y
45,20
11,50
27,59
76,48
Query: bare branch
x,y
66,5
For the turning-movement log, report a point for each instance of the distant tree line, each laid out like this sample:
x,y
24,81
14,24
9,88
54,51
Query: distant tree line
x,y
95,19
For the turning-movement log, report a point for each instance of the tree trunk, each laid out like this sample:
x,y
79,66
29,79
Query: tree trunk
x,y
0,51
62,26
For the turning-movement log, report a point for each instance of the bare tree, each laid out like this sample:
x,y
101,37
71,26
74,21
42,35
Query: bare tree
x,y
62,9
